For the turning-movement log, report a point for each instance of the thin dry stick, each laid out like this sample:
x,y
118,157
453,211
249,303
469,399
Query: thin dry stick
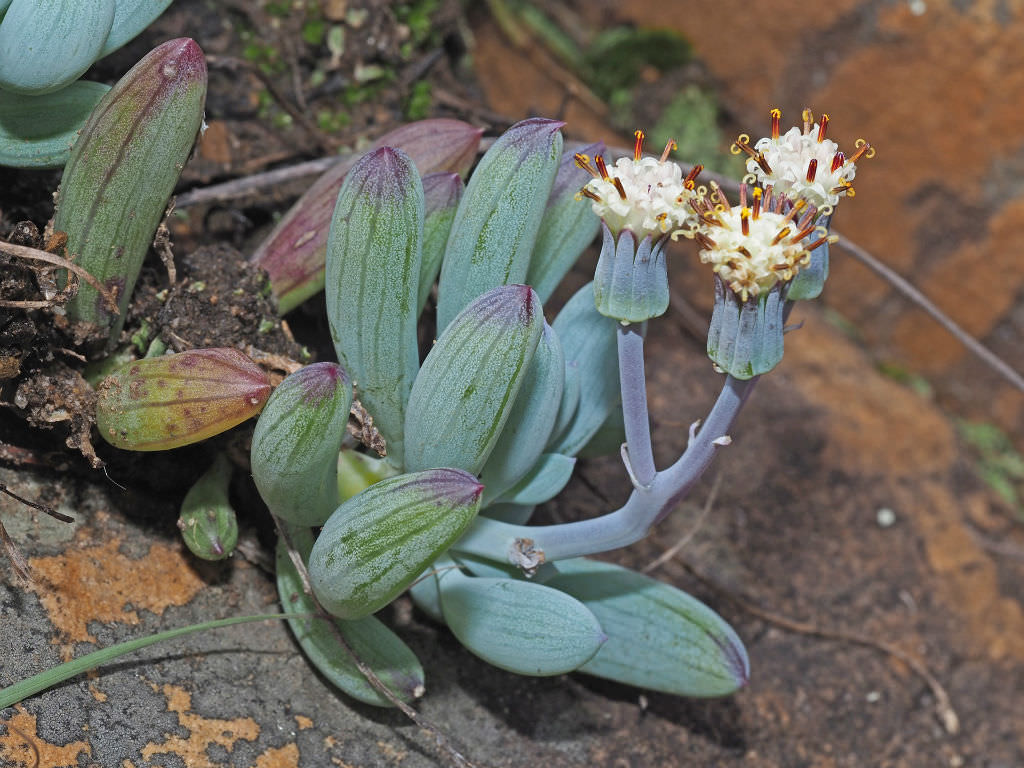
x,y
944,709
24,252
442,741
676,548
35,505
18,562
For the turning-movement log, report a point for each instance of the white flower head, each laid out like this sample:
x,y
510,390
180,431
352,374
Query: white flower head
x,y
803,164
646,195
754,247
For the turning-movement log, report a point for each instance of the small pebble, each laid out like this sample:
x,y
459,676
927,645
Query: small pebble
x,y
885,517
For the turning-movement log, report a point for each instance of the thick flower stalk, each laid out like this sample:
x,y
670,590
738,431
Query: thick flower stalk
x,y
756,251
804,164
640,202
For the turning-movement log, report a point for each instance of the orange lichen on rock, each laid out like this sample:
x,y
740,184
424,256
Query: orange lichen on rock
x,y
96,583
20,746
279,757
203,732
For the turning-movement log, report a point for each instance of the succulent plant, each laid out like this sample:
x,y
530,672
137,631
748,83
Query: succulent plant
x,y
45,46
489,423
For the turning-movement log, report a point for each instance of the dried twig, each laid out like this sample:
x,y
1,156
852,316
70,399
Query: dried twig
x,y
442,741
162,245
18,562
24,252
35,505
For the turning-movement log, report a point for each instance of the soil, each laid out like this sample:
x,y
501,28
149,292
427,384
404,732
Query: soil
x,y
848,531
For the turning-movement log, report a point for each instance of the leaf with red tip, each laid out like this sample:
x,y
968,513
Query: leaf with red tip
x,y
497,221
166,402
123,169
441,195
294,253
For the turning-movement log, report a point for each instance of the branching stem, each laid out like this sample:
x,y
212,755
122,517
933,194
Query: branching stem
x,y
634,403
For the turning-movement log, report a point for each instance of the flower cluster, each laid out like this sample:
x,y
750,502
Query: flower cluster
x,y
803,163
753,247
646,195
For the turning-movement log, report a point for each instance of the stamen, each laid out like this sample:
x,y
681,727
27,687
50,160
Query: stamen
x,y
801,234
592,195
582,161
601,167
822,127
638,144
745,220
743,195
767,203
741,145
863,148
755,212
618,186
808,217
704,241
808,117
820,240
838,160
691,178
776,117
798,206
812,169
782,234
743,249
670,146
846,187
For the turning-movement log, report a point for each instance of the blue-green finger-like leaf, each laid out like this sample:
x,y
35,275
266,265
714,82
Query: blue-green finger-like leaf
x,y
568,227
570,401
480,566
519,626
372,284
658,636
468,385
425,594
130,18
295,445
514,514
589,343
543,482
39,131
379,541
45,46
441,195
496,223
530,423
373,642
208,523
608,439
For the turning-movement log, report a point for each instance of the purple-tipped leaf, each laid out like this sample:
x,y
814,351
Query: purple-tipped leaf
x,y
166,402
379,541
466,389
373,270
295,445
123,169
496,223
294,253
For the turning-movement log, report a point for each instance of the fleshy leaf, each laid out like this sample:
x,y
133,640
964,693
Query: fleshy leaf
x,y
588,341
543,482
373,269
570,400
567,228
441,195
130,18
515,514
165,402
39,131
123,169
379,541
358,471
207,522
519,626
295,446
658,636
530,423
467,387
496,223
45,46
373,642
608,439
294,253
